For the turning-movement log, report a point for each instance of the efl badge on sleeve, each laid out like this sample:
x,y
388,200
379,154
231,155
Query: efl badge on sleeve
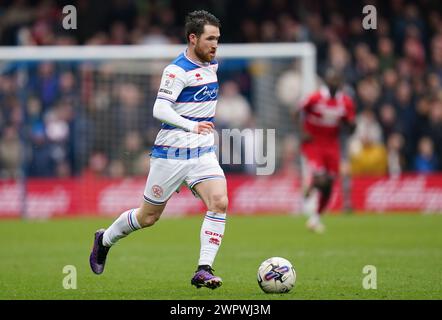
x,y
169,79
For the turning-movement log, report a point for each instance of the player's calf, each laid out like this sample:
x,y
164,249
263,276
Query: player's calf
x,y
149,214
324,183
148,220
218,203
324,198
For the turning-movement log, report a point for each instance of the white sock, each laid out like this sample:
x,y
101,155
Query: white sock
x,y
212,232
125,224
311,204
314,219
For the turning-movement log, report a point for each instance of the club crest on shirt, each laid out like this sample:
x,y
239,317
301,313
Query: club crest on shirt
x,y
157,191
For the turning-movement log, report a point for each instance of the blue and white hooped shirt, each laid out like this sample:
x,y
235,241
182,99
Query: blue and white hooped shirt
x,y
192,88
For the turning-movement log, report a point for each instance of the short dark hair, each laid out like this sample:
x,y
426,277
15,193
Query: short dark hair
x,y
196,20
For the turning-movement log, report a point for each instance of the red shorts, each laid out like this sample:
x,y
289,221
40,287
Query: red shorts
x,y
321,158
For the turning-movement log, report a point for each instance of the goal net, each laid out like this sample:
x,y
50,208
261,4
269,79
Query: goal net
x,y
87,110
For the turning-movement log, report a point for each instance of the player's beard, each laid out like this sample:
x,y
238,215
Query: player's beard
x,y
203,56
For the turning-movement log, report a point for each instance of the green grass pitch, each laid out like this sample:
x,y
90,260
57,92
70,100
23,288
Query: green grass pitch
x,y
157,263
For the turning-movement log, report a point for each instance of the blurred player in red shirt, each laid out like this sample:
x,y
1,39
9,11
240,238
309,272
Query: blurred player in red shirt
x,y
322,115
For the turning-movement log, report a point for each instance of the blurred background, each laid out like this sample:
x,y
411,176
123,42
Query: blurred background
x,y
75,135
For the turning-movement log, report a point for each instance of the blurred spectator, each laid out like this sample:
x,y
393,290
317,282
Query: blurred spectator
x,y
396,162
118,34
269,31
406,112
11,154
33,115
154,35
97,165
233,110
387,57
368,93
116,169
129,113
290,146
249,31
435,129
17,15
339,59
414,51
368,155
434,84
436,54
42,163
68,89
132,151
422,121
367,127
370,159
425,161
58,131
63,170
388,120
45,85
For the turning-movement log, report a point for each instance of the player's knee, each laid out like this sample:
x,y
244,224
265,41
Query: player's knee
x,y
325,184
218,203
322,181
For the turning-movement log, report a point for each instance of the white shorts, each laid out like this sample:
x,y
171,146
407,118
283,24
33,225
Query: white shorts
x,y
167,175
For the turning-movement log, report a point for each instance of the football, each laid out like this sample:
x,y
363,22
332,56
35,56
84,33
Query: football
x,y
276,275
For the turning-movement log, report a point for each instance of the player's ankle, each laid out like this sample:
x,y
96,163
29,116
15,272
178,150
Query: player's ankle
x,y
204,267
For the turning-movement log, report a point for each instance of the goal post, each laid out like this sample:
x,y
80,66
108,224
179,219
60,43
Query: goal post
x,y
305,51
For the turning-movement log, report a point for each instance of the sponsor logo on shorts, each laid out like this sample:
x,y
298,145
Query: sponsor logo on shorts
x,y
157,191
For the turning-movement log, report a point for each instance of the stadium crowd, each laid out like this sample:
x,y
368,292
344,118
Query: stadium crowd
x,y
393,72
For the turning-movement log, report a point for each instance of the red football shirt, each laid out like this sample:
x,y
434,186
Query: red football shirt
x,y
324,114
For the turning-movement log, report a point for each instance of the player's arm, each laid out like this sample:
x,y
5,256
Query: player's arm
x,y
299,126
349,120
172,83
299,114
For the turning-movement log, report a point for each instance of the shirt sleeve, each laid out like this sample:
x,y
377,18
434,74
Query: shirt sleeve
x,y
163,111
350,112
309,101
173,82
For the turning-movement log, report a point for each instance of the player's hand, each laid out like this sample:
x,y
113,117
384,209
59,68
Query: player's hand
x,y
204,127
348,127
